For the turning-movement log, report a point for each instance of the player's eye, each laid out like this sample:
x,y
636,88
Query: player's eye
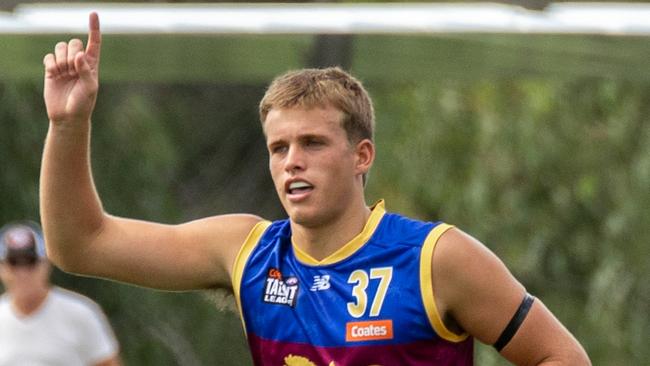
x,y
278,149
312,142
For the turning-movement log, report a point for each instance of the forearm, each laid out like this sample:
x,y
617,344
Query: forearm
x,y
572,355
577,360
71,212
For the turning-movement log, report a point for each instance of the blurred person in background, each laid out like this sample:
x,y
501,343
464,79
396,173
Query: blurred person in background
x,y
339,282
41,324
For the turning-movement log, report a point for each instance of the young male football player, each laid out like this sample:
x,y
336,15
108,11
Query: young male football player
x,y
337,283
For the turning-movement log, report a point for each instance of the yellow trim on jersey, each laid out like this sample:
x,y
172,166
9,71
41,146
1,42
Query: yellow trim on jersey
x,y
426,285
350,247
242,257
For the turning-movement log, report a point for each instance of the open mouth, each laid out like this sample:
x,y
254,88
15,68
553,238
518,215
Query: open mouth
x,y
299,187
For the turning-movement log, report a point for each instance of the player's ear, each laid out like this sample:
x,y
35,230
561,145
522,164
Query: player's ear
x,y
365,151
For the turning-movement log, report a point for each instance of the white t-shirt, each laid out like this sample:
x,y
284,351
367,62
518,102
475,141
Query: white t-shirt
x,y
68,330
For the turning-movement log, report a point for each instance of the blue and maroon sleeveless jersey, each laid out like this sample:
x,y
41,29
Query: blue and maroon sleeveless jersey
x,y
369,303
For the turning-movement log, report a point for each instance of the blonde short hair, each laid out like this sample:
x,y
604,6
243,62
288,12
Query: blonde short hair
x,y
331,86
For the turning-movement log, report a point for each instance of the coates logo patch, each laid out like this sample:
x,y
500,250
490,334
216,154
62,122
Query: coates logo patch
x,y
279,290
372,330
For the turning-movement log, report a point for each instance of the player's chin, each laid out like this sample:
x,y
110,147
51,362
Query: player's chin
x,y
303,216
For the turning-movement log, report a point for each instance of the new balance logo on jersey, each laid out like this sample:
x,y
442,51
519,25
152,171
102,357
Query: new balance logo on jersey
x,y
279,290
321,283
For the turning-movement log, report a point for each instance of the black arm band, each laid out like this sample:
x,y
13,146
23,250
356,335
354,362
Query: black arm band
x,y
515,322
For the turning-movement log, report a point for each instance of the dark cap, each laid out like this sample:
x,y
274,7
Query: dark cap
x,y
21,243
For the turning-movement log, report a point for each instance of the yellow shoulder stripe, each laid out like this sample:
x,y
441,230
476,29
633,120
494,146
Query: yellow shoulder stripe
x,y
426,285
242,257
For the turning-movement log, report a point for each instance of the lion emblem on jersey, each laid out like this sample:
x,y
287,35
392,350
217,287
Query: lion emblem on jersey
x,y
292,360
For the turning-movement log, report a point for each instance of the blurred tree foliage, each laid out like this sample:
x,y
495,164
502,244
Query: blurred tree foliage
x,y
553,175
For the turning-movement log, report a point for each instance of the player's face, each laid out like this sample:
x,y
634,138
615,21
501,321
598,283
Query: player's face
x,y
314,166
24,277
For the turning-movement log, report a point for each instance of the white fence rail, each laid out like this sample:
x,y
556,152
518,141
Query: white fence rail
x,y
395,18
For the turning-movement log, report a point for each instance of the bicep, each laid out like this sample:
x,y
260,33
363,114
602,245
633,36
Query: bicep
x,y
193,255
477,291
474,290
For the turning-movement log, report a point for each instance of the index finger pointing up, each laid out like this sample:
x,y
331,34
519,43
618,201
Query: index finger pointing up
x,y
94,39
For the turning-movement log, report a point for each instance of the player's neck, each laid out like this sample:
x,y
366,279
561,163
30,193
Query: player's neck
x,y
322,241
26,303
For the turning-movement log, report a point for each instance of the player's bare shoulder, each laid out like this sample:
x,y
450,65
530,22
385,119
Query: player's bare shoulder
x,y
462,261
456,246
223,230
223,235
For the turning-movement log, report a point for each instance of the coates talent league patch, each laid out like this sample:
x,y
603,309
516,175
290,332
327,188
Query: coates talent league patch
x,y
279,290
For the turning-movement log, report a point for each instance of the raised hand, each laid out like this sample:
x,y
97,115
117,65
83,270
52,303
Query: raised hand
x,y
72,77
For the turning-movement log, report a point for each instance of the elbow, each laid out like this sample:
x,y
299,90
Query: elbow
x,y
69,250
574,357
68,258
64,262
580,358
571,354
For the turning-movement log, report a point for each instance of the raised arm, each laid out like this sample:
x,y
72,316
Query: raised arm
x,y
80,236
476,293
